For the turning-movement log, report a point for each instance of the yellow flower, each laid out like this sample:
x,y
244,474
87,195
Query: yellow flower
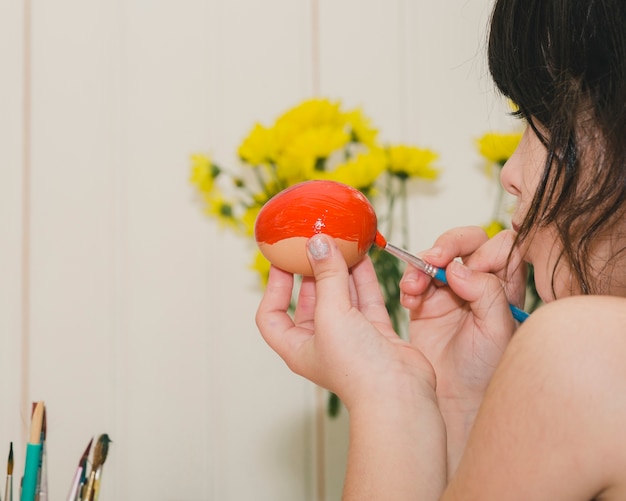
x,y
362,130
311,113
409,161
262,266
221,209
318,142
259,146
494,228
512,106
203,172
361,171
293,169
249,218
308,151
498,148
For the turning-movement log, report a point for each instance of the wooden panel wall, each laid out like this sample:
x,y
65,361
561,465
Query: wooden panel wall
x,y
12,223
121,305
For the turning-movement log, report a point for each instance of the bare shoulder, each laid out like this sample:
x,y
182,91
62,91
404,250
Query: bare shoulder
x,y
607,311
555,410
584,331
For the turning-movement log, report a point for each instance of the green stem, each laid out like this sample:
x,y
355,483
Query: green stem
x,y
391,200
404,219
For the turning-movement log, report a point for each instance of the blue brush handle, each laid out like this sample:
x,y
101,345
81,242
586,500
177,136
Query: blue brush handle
x,y
518,314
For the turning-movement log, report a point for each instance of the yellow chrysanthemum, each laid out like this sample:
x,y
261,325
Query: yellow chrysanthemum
x,y
409,161
494,228
312,113
498,148
293,169
318,142
362,129
361,171
262,266
308,152
512,106
249,218
221,209
203,172
259,146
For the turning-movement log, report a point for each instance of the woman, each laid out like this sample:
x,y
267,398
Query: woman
x,y
466,410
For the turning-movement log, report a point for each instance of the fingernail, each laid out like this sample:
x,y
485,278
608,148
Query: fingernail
x,y
460,270
319,247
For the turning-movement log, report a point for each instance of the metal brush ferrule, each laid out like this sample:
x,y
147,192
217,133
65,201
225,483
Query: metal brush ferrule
x,y
429,269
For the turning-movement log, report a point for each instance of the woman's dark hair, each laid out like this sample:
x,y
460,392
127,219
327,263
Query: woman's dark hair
x,y
563,63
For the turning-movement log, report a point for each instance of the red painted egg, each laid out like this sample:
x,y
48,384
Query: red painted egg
x,y
294,215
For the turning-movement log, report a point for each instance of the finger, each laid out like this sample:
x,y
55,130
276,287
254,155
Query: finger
x,y
305,307
457,242
332,283
441,301
498,256
493,255
415,288
414,282
273,320
484,293
277,296
370,299
354,295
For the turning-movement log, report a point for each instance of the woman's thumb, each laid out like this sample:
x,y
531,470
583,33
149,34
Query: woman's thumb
x,y
330,272
483,291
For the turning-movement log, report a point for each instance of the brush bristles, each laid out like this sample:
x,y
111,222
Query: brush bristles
x,y
10,460
85,455
101,451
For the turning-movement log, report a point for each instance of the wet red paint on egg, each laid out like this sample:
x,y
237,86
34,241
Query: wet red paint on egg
x,y
294,215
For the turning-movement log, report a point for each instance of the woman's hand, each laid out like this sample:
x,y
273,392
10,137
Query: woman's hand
x,y
464,327
340,336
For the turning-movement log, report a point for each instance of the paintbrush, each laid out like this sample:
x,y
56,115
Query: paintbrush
x,y
41,493
102,448
429,269
8,489
100,452
33,456
82,465
83,481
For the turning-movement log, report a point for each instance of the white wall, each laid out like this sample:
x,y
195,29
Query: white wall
x,y
121,305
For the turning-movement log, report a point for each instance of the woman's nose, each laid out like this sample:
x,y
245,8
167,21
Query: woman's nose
x,y
509,175
506,178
